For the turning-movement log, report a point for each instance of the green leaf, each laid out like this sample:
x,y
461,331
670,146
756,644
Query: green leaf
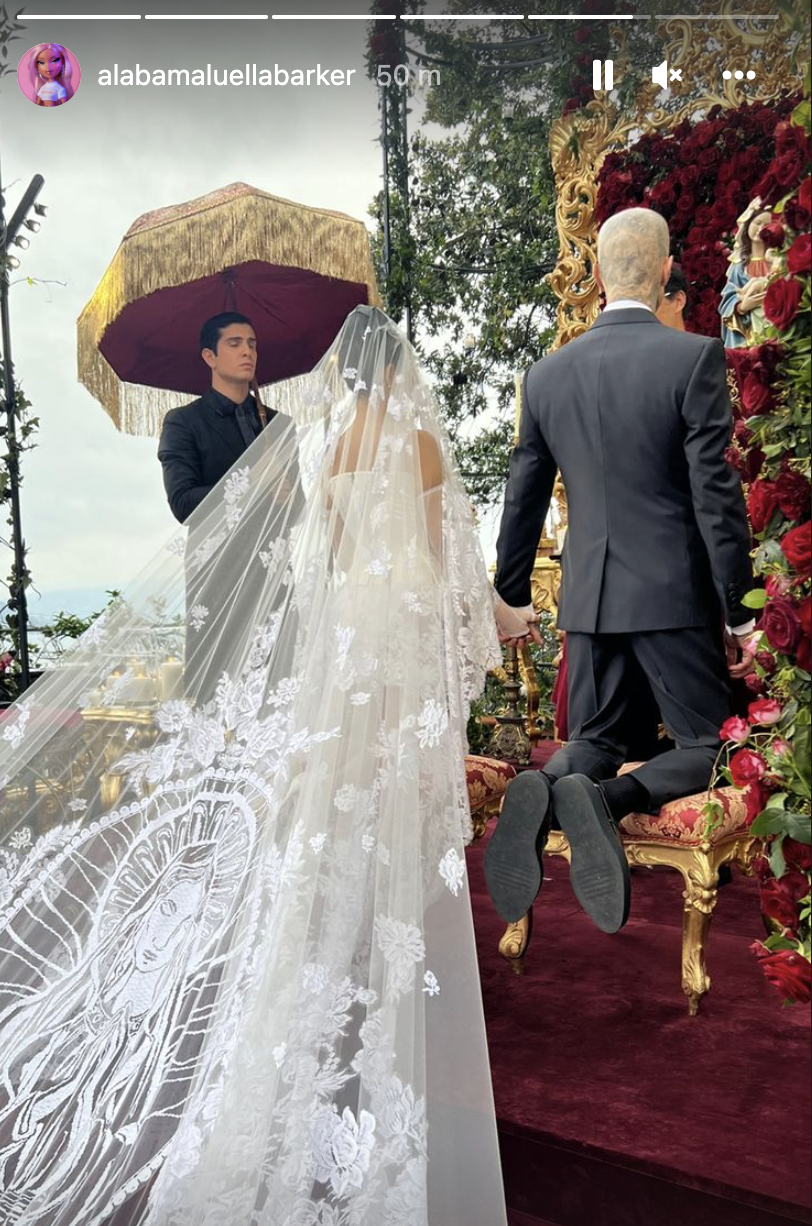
x,y
756,599
801,748
778,863
795,825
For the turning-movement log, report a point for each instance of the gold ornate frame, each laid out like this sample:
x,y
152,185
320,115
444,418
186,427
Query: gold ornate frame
x,y
580,142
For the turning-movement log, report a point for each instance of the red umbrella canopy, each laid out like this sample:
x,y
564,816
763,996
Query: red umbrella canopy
x,y
295,313
295,271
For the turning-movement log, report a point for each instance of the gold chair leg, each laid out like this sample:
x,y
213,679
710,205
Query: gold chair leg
x,y
701,891
515,942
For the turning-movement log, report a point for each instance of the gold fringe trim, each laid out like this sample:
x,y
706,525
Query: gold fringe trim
x,y
200,238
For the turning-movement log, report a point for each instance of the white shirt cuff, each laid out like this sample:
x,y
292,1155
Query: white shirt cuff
x,y
747,628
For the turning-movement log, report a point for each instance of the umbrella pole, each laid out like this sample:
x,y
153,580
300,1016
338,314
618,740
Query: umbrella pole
x,y
261,409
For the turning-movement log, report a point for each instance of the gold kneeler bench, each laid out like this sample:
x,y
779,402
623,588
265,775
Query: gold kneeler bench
x,y
677,837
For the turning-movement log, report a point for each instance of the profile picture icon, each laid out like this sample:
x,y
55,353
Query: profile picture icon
x,y
49,74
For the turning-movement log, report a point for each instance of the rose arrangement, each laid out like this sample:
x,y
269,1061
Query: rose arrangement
x,y
768,753
701,177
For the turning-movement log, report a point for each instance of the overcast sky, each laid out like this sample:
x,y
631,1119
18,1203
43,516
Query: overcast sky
x,y
93,503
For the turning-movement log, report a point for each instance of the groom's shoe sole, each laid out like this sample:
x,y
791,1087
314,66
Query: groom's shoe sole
x,y
599,870
513,871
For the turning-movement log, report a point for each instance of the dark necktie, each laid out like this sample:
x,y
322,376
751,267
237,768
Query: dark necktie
x,y
246,423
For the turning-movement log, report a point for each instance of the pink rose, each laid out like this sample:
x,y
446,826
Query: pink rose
x,y
765,711
735,729
746,766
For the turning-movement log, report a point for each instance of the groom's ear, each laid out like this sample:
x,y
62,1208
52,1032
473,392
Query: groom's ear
x,y
209,357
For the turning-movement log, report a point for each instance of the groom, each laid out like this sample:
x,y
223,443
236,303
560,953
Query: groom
x,y
637,417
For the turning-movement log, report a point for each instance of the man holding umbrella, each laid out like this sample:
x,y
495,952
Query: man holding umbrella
x,y
201,441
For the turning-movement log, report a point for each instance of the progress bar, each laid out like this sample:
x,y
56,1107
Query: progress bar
x,y
78,16
205,16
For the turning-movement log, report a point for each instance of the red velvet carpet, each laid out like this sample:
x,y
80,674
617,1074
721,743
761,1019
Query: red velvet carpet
x,y
615,1107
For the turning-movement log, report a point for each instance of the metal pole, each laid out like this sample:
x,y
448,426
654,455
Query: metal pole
x,y
387,222
404,153
17,596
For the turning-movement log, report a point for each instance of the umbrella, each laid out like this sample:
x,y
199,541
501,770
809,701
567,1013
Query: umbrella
x,y
295,271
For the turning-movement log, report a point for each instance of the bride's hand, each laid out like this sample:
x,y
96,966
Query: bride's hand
x,y
516,627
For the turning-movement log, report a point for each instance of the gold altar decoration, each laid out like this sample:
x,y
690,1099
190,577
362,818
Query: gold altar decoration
x,y
580,142
199,238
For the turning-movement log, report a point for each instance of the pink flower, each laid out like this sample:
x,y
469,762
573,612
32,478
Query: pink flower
x,y
735,729
779,747
765,711
747,767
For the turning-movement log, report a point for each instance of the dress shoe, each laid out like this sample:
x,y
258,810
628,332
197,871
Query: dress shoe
x,y
513,869
599,870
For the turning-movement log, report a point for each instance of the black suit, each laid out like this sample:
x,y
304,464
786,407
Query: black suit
x,y
200,442
637,417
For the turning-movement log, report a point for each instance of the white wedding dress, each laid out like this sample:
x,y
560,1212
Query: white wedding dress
x,y
246,994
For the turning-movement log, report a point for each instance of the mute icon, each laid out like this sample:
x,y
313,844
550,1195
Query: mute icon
x,y
662,77
659,75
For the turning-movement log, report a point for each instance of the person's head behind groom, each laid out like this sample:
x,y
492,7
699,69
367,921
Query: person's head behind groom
x,y
228,346
633,257
674,306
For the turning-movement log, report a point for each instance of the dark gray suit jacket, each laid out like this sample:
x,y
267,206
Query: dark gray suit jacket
x,y
637,417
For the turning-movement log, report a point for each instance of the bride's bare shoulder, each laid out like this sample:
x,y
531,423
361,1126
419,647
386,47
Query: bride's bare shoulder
x,y
431,459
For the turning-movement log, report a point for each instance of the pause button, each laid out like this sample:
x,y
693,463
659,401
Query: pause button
x,y
603,74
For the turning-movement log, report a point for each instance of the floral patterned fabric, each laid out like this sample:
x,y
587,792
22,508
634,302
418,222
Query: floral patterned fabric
x,y
684,820
487,779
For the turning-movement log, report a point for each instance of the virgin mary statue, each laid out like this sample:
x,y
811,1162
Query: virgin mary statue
x,y
246,992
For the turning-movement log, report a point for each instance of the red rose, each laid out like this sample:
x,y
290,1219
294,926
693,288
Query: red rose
x,y
799,256
766,662
709,158
787,971
754,683
782,301
804,616
780,898
796,216
734,458
756,394
753,461
792,493
795,547
742,433
797,855
761,502
735,729
773,234
756,795
765,711
805,195
803,655
746,766
779,621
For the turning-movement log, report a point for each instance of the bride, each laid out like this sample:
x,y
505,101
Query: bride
x,y
238,983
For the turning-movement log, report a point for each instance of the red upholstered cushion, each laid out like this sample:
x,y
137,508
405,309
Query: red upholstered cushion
x,y
487,778
684,821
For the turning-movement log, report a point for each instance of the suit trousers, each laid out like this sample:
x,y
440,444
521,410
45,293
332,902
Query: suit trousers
x,y
687,673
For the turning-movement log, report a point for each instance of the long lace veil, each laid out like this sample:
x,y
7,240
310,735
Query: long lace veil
x,y
238,983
